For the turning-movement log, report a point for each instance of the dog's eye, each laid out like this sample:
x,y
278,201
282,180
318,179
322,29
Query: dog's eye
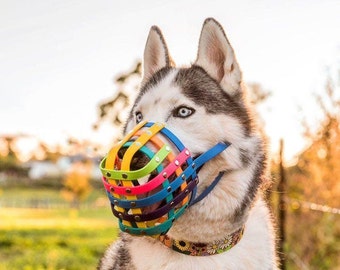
x,y
139,117
183,112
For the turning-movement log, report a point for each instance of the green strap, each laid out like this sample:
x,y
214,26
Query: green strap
x,y
133,175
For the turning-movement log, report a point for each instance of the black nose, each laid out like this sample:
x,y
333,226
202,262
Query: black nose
x,y
139,159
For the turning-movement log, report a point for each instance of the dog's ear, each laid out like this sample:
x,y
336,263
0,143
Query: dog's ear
x,y
156,54
216,56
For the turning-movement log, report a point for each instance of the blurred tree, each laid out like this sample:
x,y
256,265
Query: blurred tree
x,y
9,162
115,109
320,161
77,183
84,147
9,151
314,237
257,94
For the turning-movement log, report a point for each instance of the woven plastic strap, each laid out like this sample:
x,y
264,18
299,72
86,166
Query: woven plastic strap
x,y
157,181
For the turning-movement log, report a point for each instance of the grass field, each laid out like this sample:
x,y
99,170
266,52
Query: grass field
x,y
53,238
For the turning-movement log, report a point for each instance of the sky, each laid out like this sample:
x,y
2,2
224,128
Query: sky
x,y
59,58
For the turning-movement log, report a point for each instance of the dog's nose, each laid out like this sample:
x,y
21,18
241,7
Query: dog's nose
x,y
139,159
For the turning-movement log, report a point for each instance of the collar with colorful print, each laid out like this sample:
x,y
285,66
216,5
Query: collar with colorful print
x,y
203,249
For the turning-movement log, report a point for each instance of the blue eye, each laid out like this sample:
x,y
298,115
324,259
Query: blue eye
x,y
139,117
183,112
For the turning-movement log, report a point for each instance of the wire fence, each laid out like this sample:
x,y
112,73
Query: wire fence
x,y
49,204
295,203
46,203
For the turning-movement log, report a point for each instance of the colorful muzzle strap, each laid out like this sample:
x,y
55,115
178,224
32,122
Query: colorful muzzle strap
x,y
151,178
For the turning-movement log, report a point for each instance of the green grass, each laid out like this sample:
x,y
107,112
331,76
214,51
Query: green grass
x,y
53,238
53,248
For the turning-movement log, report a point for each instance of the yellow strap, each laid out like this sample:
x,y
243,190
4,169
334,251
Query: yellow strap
x,y
110,162
111,156
128,155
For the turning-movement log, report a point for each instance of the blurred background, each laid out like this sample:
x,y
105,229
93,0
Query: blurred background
x,y
69,71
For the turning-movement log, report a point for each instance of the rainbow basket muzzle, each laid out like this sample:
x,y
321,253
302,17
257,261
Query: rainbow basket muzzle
x,y
151,178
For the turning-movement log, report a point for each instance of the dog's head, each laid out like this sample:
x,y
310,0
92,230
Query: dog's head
x,y
202,105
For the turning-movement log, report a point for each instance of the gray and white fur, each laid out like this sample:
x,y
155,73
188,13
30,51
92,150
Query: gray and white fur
x,y
204,104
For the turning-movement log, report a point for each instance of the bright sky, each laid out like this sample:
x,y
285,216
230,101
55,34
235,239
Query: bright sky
x,y
58,58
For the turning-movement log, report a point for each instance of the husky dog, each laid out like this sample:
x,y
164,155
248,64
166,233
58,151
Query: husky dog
x,y
204,104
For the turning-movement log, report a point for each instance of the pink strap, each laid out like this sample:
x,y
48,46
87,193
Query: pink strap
x,y
155,182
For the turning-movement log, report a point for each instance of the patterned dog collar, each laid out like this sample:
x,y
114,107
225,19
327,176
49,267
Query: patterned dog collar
x,y
203,249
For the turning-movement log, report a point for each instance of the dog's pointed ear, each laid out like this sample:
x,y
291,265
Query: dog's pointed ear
x,y
156,54
216,56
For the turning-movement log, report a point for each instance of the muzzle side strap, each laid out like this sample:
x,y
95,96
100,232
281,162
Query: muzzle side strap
x,y
200,161
211,153
207,190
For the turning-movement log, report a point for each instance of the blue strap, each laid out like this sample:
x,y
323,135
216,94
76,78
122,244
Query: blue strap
x,y
211,153
207,190
200,161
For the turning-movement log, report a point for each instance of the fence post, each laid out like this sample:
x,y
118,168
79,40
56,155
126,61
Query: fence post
x,y
282,189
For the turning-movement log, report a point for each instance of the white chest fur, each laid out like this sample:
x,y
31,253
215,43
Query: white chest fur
x,y
254,251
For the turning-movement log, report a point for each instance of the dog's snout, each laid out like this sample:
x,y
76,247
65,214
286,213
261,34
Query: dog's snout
x,y
139,159
121,153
